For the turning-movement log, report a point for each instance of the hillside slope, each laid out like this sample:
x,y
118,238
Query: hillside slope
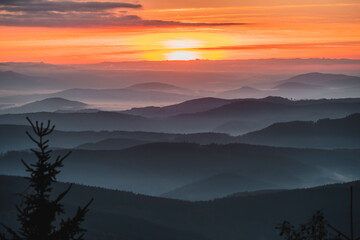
x,y
129,216
157,168
324,133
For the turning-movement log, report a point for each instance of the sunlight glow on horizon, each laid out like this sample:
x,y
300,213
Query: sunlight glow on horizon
x,y
182,43
182,55
267,29
162,46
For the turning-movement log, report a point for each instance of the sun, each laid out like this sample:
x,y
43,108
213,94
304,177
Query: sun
x,y
181,46
182,43
181,55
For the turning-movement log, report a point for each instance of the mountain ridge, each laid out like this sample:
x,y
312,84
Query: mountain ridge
x,y
163,219
47,105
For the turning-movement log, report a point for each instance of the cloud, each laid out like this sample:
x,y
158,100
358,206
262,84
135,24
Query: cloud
x,y
50,19
61,6
281,46
43,13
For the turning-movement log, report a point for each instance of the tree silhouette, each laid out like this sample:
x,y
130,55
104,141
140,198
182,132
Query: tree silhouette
x,y
317,228
38,212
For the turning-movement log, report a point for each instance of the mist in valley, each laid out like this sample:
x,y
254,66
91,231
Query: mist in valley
x,y
260,137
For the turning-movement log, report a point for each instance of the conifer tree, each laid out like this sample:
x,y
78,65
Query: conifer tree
x,y
318,228
315,229
39,211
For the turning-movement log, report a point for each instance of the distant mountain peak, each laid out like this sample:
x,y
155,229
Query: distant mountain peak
x,y
248,88
296,86
59,100
321,78
276,99
245,89
48,105
9,72
242,92
154,86
55,99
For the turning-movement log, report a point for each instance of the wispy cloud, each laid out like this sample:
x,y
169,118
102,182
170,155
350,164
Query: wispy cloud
x,y
281,46
61,6
42,13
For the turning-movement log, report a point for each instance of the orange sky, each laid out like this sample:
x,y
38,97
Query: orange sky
x,y
179,30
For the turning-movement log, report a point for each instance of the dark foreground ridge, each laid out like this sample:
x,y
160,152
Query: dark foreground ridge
x,y
119,215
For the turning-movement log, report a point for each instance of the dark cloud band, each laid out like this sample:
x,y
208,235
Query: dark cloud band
x,y
49,19
67,6
43,13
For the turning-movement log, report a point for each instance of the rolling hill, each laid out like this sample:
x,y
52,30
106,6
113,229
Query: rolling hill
x,y
83,121
130,216
326,80
10,80
219,185
187,107
239,116
295,86
244,92
12,137
112,144
127,94
258,114
201,115
304,86
324,133
132,94
158,168
47,105
158,86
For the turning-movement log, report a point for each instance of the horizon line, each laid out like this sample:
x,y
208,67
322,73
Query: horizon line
x,y
183,61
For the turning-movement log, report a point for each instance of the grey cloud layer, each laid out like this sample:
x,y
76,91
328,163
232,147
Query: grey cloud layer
x,y
78,14
63,6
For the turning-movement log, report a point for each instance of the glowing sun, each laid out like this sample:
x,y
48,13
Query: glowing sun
x,y
182,55
182,43
181,46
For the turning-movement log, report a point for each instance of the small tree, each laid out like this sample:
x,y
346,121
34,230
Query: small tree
x,y
318,228
38,212
315,229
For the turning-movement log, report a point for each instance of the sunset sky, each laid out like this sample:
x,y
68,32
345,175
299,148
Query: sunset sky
x,y
155,30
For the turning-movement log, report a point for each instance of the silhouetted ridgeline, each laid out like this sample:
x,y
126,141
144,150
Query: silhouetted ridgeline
x,y
87,87
106,95
10,80
325,79
47,105
252,114
218,186
12,137
206,104
130,216
191,106
158,168
324,133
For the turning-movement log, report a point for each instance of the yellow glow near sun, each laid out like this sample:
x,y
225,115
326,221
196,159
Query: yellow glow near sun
x,y
181,46
181,55
182,43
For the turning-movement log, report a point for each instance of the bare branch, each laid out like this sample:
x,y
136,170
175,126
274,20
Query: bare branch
x,y
31,123
32,139
62,195
12,232
338,232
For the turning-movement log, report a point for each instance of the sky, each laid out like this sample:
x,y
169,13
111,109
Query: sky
x,y
81,32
